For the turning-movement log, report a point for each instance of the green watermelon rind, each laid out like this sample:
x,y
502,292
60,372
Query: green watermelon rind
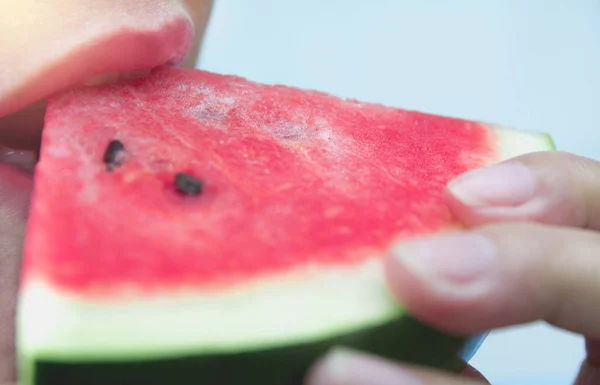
x,y
404,339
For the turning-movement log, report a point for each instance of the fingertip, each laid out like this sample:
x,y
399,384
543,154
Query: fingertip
x,y
499,192
552,188
507,184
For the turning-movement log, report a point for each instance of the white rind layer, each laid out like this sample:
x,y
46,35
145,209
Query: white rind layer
x,y
512,142
293,309
322,304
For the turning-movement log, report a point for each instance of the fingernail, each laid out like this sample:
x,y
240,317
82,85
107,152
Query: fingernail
x,y
505,185
344,367
456,260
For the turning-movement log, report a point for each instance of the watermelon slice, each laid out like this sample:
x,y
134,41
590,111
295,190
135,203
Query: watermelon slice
x,y
195,228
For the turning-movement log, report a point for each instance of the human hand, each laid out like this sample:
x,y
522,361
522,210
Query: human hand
x,y
531,252
49,45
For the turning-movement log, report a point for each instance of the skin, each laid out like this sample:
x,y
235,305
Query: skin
x,y
530,246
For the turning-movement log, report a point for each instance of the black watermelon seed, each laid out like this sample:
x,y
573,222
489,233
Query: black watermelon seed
x,y
187,184
113,154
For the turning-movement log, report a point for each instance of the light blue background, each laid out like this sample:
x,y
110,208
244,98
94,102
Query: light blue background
x,y
532,64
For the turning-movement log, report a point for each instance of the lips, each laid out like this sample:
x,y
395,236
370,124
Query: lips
x,y
50,45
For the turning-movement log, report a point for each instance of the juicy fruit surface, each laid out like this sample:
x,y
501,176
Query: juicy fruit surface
x,y
291,180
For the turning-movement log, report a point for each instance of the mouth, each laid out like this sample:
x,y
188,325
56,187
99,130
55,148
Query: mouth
x,y
119,40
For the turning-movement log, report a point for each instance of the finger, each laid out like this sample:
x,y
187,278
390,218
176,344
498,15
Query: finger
x,y
549,187
501,275
15,187
343,367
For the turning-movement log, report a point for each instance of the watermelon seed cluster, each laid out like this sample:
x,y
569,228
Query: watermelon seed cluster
x,y
114,154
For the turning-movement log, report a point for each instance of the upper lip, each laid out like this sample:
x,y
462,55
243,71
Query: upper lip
x,y
123,47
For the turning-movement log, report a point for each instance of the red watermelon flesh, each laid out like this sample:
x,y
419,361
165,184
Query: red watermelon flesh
x,y
291,179
300,194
